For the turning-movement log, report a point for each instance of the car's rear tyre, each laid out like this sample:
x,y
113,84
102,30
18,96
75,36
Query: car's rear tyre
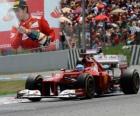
x,y
130,81
87,82
34,83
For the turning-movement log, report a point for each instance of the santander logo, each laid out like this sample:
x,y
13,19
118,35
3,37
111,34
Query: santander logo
x,y
56,13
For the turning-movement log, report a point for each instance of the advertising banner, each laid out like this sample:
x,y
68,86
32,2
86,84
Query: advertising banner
x,y
36,8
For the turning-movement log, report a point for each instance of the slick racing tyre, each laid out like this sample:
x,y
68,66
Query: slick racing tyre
x,y
129,82
87,82
34,83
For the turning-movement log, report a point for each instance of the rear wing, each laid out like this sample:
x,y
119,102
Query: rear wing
x,y
93,51
118,60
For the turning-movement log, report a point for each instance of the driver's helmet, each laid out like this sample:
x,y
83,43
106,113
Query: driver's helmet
x,y
80,67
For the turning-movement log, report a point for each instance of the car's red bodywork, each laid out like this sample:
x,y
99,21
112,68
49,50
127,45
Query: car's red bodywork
x,y
69,77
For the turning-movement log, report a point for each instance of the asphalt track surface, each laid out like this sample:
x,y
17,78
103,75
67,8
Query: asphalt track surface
x,y
116,104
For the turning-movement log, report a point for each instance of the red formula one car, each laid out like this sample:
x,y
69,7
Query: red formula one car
x,y
88,79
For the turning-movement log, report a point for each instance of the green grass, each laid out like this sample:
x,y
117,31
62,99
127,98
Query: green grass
x,y
11,87
117,50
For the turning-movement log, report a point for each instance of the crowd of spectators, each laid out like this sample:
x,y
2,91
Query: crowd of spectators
x,y
108,22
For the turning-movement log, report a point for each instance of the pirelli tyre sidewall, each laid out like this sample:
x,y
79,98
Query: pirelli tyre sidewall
x,y
87,82
34,83
130,81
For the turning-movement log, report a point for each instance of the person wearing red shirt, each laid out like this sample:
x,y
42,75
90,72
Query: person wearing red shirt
x,y
32,32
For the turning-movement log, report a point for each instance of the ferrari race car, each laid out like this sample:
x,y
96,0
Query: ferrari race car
x,y
89,78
